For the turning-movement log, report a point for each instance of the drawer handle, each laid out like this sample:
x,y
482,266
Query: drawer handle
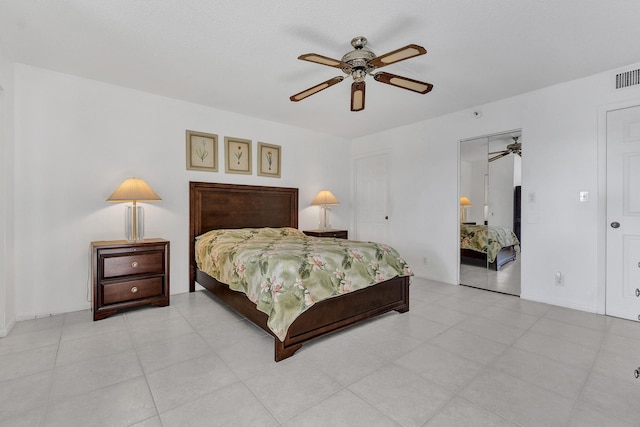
x,y
134,264
134,289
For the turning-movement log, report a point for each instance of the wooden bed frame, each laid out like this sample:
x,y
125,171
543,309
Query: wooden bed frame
x,y
215,206
469,257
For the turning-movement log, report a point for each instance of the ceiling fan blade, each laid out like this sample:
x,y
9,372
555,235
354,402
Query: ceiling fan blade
x,y
357,96
324,60
397,55
403,82
499,156
501,151
315,89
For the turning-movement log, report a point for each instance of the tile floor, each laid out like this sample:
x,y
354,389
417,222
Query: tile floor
x,y
460,357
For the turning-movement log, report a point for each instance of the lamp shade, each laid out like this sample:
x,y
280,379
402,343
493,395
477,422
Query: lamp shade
x,y
325,198
134,189
464,201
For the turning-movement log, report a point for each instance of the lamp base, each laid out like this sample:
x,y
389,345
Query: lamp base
x,y
325,219
134,223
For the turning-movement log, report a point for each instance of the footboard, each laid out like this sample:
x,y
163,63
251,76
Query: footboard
x,y
322,318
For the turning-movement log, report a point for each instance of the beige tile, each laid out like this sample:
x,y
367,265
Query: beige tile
x,y
249,357
469,346
614,396
231,406
583,319
511,318
38,324
120,404
517,400
21,363
402,395
29,340
520,305
490,329
148,332
342,409
23,394
460,412
588,416
73,379
291,387
184,382
331,359
577,334
625,328
160,354
77,350
440,366
80,324
547,373
439,314
557,349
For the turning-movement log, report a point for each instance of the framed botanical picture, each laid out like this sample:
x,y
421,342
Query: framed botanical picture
x,y
202,151
269,160
237,155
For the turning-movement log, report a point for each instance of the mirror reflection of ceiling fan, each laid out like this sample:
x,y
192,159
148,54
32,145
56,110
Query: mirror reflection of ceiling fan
x,y
515,148
362,62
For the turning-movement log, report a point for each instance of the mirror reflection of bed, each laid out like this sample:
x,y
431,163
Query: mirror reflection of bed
x,y
490,198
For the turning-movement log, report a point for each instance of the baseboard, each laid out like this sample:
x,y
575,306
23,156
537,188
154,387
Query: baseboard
x,y
560,303
5,331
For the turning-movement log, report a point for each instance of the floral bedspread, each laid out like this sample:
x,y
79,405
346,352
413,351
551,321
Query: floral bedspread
x,y
284,272
487,239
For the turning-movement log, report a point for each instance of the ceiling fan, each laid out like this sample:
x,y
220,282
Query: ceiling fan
x,y
515,148
360,62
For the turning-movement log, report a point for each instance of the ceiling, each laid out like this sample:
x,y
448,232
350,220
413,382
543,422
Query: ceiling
x,y
241,56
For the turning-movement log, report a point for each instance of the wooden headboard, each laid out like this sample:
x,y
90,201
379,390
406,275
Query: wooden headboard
x,y
214,206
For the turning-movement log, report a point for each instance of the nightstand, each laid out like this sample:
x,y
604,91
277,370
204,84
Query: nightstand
x,y
129,274
338,234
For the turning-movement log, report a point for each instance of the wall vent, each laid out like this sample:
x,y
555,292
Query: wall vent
x,y
627,78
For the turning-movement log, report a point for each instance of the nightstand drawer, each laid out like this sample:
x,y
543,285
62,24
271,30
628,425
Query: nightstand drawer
x,y
337,234
131,290
128,265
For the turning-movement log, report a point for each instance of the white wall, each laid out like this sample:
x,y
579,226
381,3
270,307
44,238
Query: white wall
x,y
560,130
7,217
78,139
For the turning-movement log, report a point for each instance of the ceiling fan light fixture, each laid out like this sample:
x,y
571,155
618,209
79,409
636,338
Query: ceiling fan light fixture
x,y
357,96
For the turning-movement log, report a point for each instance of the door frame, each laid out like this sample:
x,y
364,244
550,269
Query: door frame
x,y
601,266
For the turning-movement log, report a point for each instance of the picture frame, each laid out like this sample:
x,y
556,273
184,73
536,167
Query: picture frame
x,y
269,160
237,155
202,151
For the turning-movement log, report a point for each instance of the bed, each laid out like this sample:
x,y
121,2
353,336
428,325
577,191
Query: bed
x,y
216,206
484,246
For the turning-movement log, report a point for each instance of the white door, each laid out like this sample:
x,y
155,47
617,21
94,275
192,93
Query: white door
x,y
623,213
371,195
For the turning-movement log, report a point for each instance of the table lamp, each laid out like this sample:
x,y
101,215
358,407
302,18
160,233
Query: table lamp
x,y
464,202
323,199
134,190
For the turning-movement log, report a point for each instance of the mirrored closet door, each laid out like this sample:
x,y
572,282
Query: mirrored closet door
x,y
490,234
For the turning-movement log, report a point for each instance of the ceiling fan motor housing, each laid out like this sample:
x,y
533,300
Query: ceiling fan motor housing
x,y
358,59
